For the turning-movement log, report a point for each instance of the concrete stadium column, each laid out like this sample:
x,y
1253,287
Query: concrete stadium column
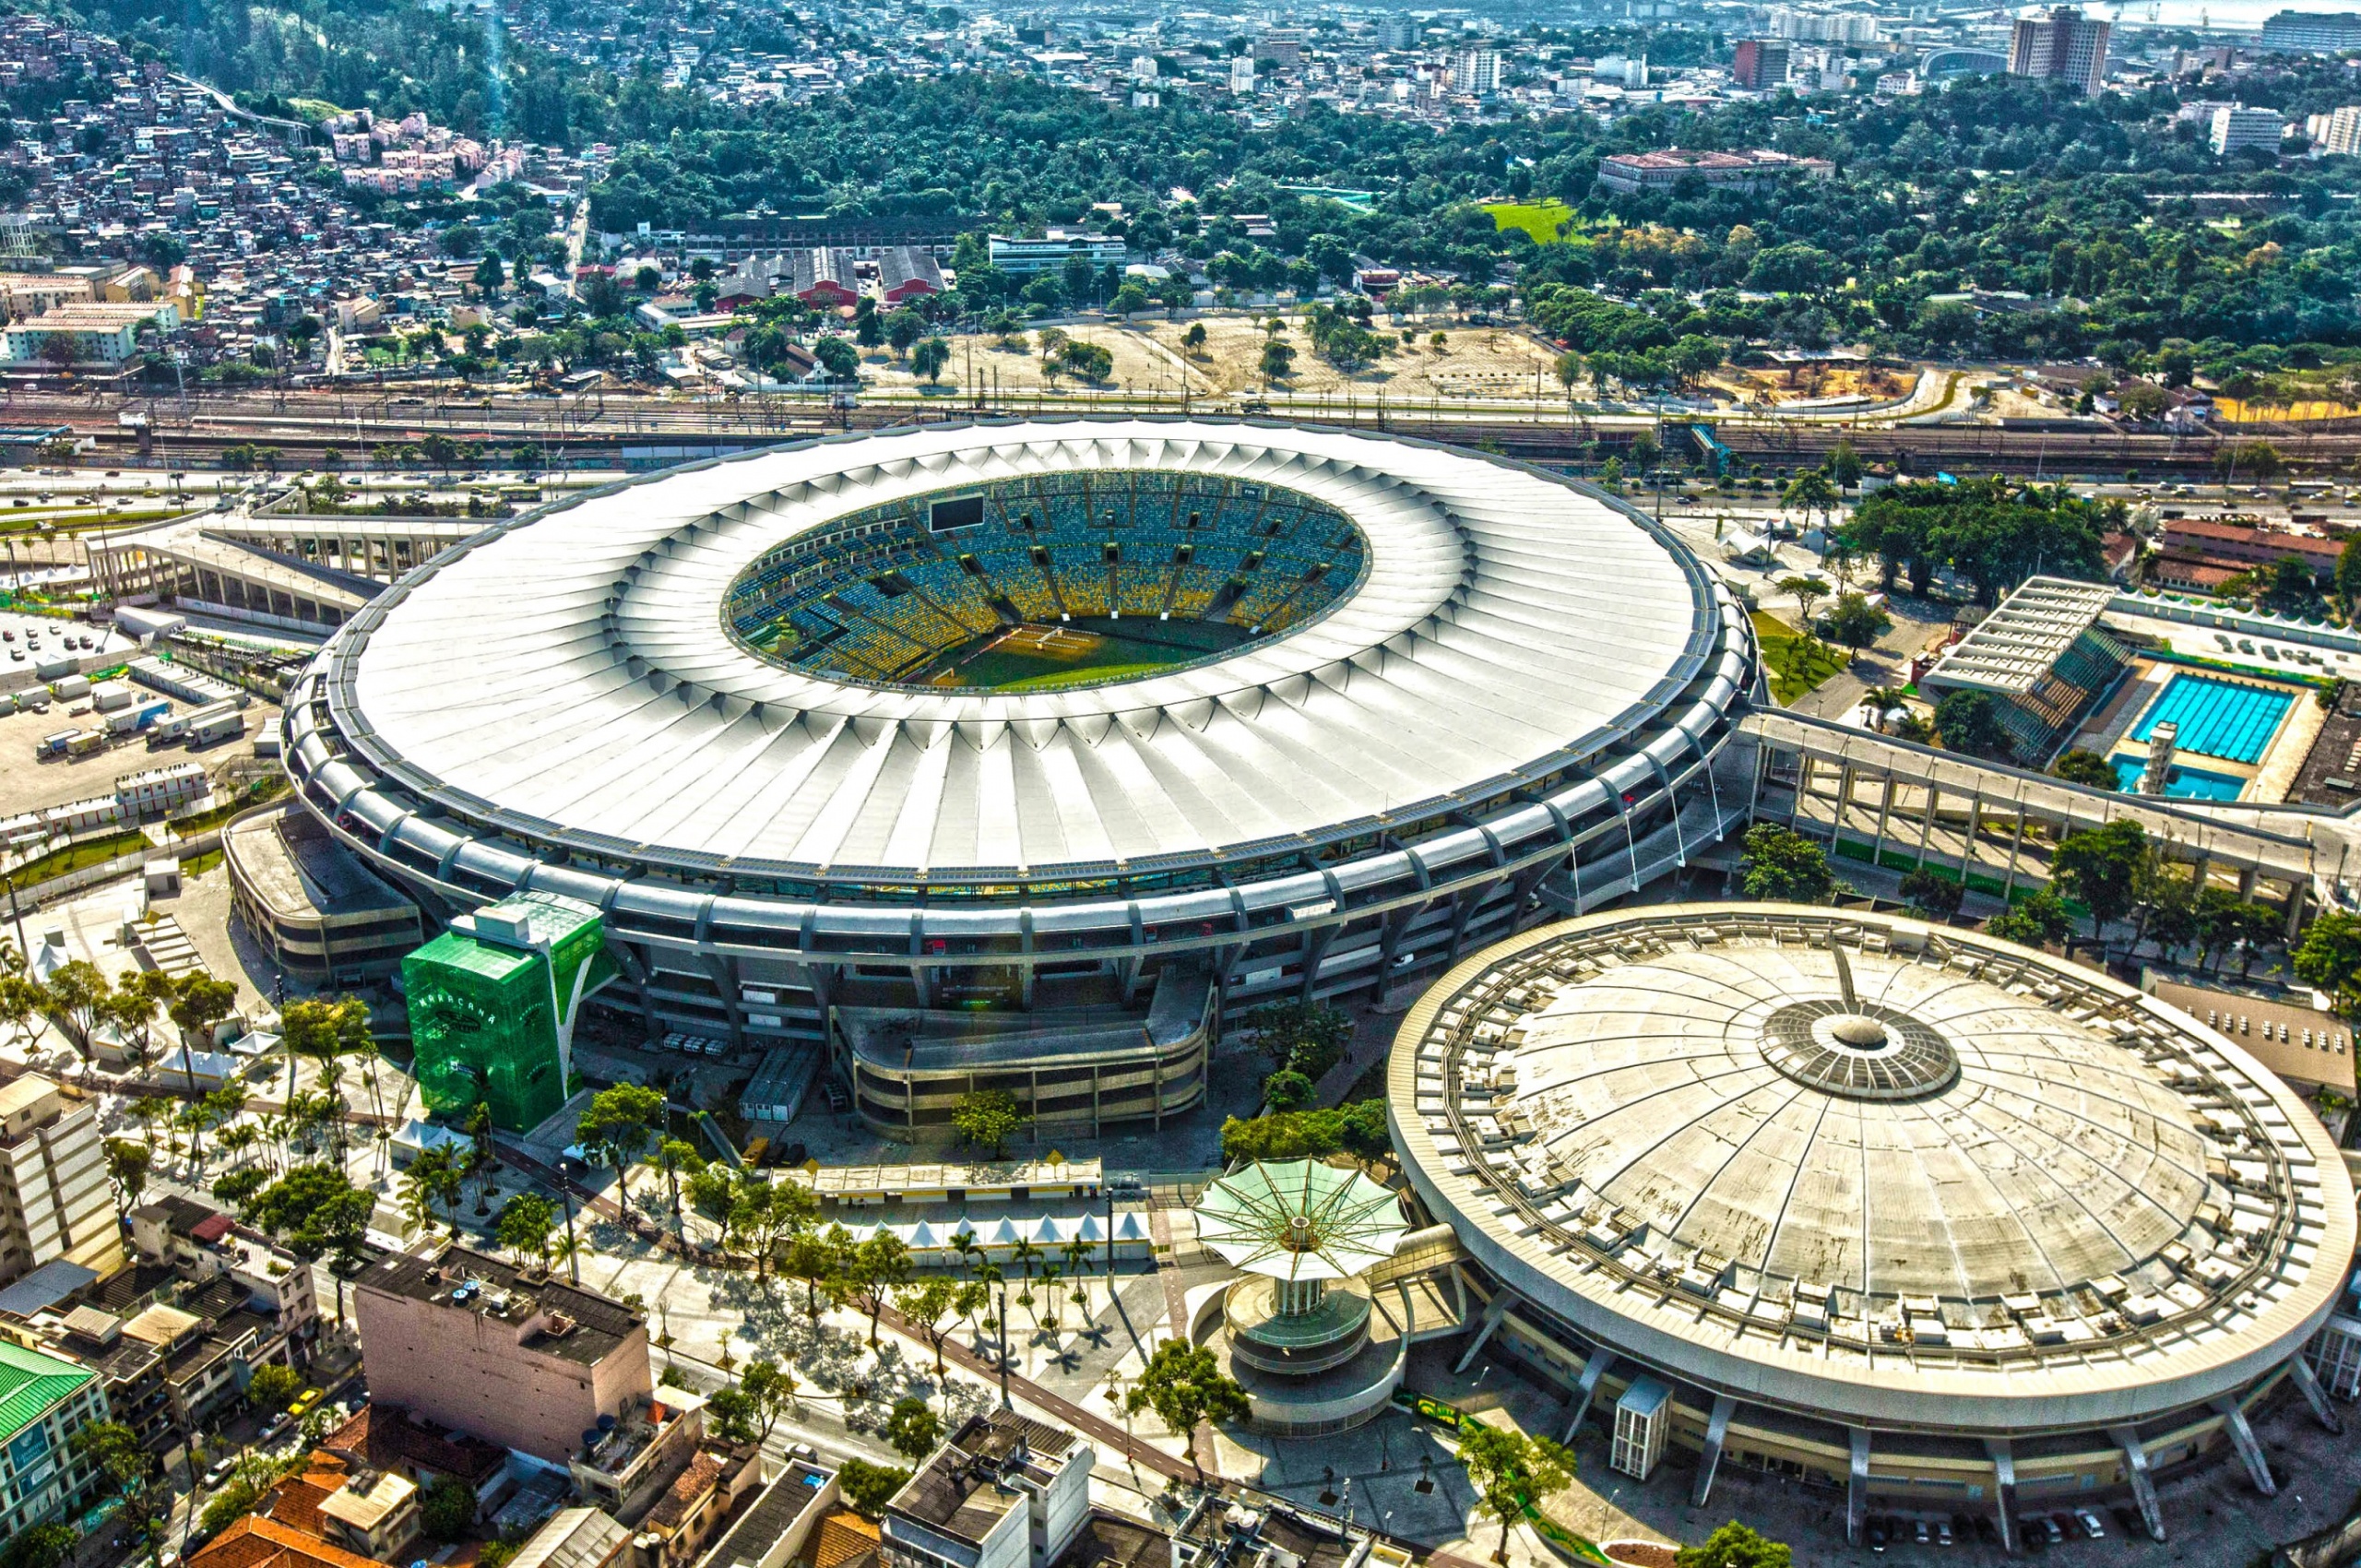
x,y
2242,1438
2246,883
1927,823
1601,1362
2299,1371
1843,803
1885,810
1717,1428
2016,848
1803,787
2004,1490
1503,1299
2298,895
1974,827
2143,1483
1856,1484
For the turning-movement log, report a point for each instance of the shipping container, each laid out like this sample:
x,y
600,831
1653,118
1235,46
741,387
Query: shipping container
x,y
220,727
70,688
86,743
176,727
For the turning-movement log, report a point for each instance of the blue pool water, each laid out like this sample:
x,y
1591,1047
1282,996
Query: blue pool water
x,y
2219,718
2187,783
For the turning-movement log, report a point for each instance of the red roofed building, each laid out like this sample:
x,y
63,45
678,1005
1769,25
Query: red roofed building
x,y
905,273
254,1542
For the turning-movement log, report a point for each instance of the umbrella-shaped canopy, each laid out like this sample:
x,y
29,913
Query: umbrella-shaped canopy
x,y
1299,1221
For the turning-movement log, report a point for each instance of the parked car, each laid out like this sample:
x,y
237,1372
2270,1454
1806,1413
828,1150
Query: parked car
x,y
2092,1525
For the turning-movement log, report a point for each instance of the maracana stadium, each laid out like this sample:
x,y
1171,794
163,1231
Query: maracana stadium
x,y
1024,754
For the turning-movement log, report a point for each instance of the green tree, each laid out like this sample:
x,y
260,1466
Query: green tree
x,y
317,1213
1780,865
1302,1037
620,1122
1184,1384
2100,866
2038,920
1807,592
1844,466
1510,1472
1968,724
77,998
39,1546
876,1267
987,1119
446,1509
1857,623
2329,959
929,357
1932,892
913,1428
867,1488
128,1167
126,1472
1735,1546
273,1388
1277,362
838,358
926,1306
2348,576
2086,768
1288,1089
525,1225
734,1414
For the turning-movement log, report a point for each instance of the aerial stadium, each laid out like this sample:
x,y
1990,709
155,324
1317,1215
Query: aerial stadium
x,y
1024,754
1897,1209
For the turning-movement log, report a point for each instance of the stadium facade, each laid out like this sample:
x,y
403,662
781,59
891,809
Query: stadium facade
x,y
944,744
1899,1210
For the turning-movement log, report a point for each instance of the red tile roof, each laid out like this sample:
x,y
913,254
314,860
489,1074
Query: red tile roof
x,y
389,1439
265,1543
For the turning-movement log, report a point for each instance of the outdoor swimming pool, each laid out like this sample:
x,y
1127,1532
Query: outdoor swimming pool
x,y
2218,718
2187,783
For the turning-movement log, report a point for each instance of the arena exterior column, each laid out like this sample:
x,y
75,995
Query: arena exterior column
x,y
1502,1298
1856,1484
1717,1428
2144,1484
1885,810
2016,848
1927,823
2242,1438
1974,826
2298,892
1843,808
2299,1371
1803,786
2004,1490
1601,1362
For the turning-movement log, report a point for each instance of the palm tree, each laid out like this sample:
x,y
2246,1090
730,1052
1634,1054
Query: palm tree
x,y
963,1241
1024,1253
422,1184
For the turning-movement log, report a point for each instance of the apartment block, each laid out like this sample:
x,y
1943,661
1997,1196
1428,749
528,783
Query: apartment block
x,y
467,1341
54,1202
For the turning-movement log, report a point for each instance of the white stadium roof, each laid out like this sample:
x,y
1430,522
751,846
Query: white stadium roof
x,y
572,671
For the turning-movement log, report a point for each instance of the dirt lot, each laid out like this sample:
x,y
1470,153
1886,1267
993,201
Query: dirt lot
x,y
1150,355
1773,388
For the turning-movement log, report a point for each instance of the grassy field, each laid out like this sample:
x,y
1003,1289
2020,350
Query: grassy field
x,y
1795,665
1538,219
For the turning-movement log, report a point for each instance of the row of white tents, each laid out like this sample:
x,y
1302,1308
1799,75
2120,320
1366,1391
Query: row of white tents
x,y
930,1241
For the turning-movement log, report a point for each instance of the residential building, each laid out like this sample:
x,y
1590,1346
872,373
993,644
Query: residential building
x,y
2235,127
130,1372
791,1509
84,332
1005,1492
371,1512
25,295
44,1400
1633,171
1241,73
2341,137
2064,46
1022,256
509,1355
255,1542
696,1503
210,1346
55,1201
1759,63
385,1437
1282,46
1476,70
1823,27
2308,32
627,1465
201,1244
576,1537
1219,1533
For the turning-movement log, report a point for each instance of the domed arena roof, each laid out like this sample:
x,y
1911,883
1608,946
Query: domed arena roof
x,y
1790,1152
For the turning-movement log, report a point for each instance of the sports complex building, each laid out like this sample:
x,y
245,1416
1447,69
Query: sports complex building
x,y
1023,756
1945,1222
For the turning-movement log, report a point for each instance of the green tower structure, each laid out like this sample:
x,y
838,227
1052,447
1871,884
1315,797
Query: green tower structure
x,y
493,1002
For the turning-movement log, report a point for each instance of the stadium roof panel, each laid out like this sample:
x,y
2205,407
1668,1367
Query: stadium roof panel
x,y
2012,649
1506,623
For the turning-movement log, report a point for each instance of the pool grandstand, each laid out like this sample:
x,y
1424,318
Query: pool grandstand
x,y
907,592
